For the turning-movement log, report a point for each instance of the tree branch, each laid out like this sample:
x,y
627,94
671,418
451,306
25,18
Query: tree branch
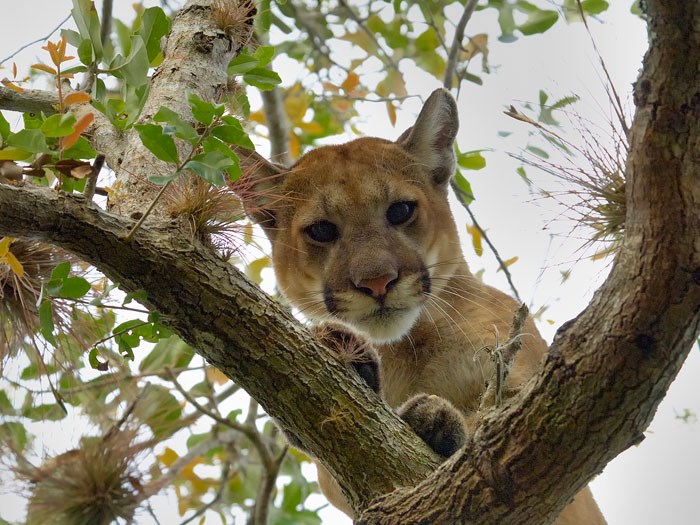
x,y
451,66
30,100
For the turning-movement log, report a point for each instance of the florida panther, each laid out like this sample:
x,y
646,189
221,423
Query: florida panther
x,y
363,238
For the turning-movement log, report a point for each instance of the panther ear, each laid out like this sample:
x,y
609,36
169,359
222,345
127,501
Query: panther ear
x,y
431,139
259,187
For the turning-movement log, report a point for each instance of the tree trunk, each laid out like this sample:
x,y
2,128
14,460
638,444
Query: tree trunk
x,y
601,382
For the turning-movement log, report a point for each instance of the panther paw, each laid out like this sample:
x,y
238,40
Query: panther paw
x,y
436,421
358,352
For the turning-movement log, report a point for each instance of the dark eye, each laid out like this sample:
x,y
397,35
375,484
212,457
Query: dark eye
x,y
322,231
400,212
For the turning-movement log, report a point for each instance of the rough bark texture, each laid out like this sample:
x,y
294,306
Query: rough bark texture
x,y
33,100
602,380
194,61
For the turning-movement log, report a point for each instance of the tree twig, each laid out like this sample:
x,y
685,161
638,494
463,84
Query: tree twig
x,y
42,39
503,356
451,66
462,198
225,470
353,16
447,83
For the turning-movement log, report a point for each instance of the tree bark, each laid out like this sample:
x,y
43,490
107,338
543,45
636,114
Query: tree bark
x,y
601,382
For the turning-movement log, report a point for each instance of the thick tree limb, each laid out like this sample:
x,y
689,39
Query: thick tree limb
x,y
194,61
31,100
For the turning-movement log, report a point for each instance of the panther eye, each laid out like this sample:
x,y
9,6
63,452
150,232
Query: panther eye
x,y
323,232
400,212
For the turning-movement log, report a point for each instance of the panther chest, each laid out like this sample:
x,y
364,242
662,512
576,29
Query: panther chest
x,y
452,373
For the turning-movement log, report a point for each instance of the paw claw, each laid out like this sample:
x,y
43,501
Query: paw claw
x,y
358,352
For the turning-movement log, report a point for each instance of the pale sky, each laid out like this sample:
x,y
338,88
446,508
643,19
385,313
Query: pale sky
x,y
654,483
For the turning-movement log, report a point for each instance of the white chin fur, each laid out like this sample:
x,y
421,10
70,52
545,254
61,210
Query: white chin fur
x,y
385,331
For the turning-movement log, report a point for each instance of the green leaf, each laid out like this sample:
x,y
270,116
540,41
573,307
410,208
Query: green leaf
x,y
467,195
47,412
157,142
134,68
471,160
538,20
12,153
594,7
538,151
74,288
204,111
46,322
159,409
6,407
214,144
85,53
95,363
264,55
88,24
210,166
172,352
15,434
4,127
80,150
428,40
29,140
181,128
254,269
58,125
242,64
292,496
262,78
138,295
232,132
61,271
154,26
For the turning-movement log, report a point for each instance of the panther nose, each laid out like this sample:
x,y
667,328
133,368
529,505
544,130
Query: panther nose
x,y
378,286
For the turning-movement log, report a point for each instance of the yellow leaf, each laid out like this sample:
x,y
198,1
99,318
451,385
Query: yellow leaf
x,y
311,127
392,112
477,44
168,457
255,268
14,70
216,376
296,104
294,145
76,98
351,82
508,262
257,116
15,265
45,68
12,153
392,84
12,86
5,245
476,239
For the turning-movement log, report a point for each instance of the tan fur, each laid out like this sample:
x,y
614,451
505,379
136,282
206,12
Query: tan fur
x,y
430,341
